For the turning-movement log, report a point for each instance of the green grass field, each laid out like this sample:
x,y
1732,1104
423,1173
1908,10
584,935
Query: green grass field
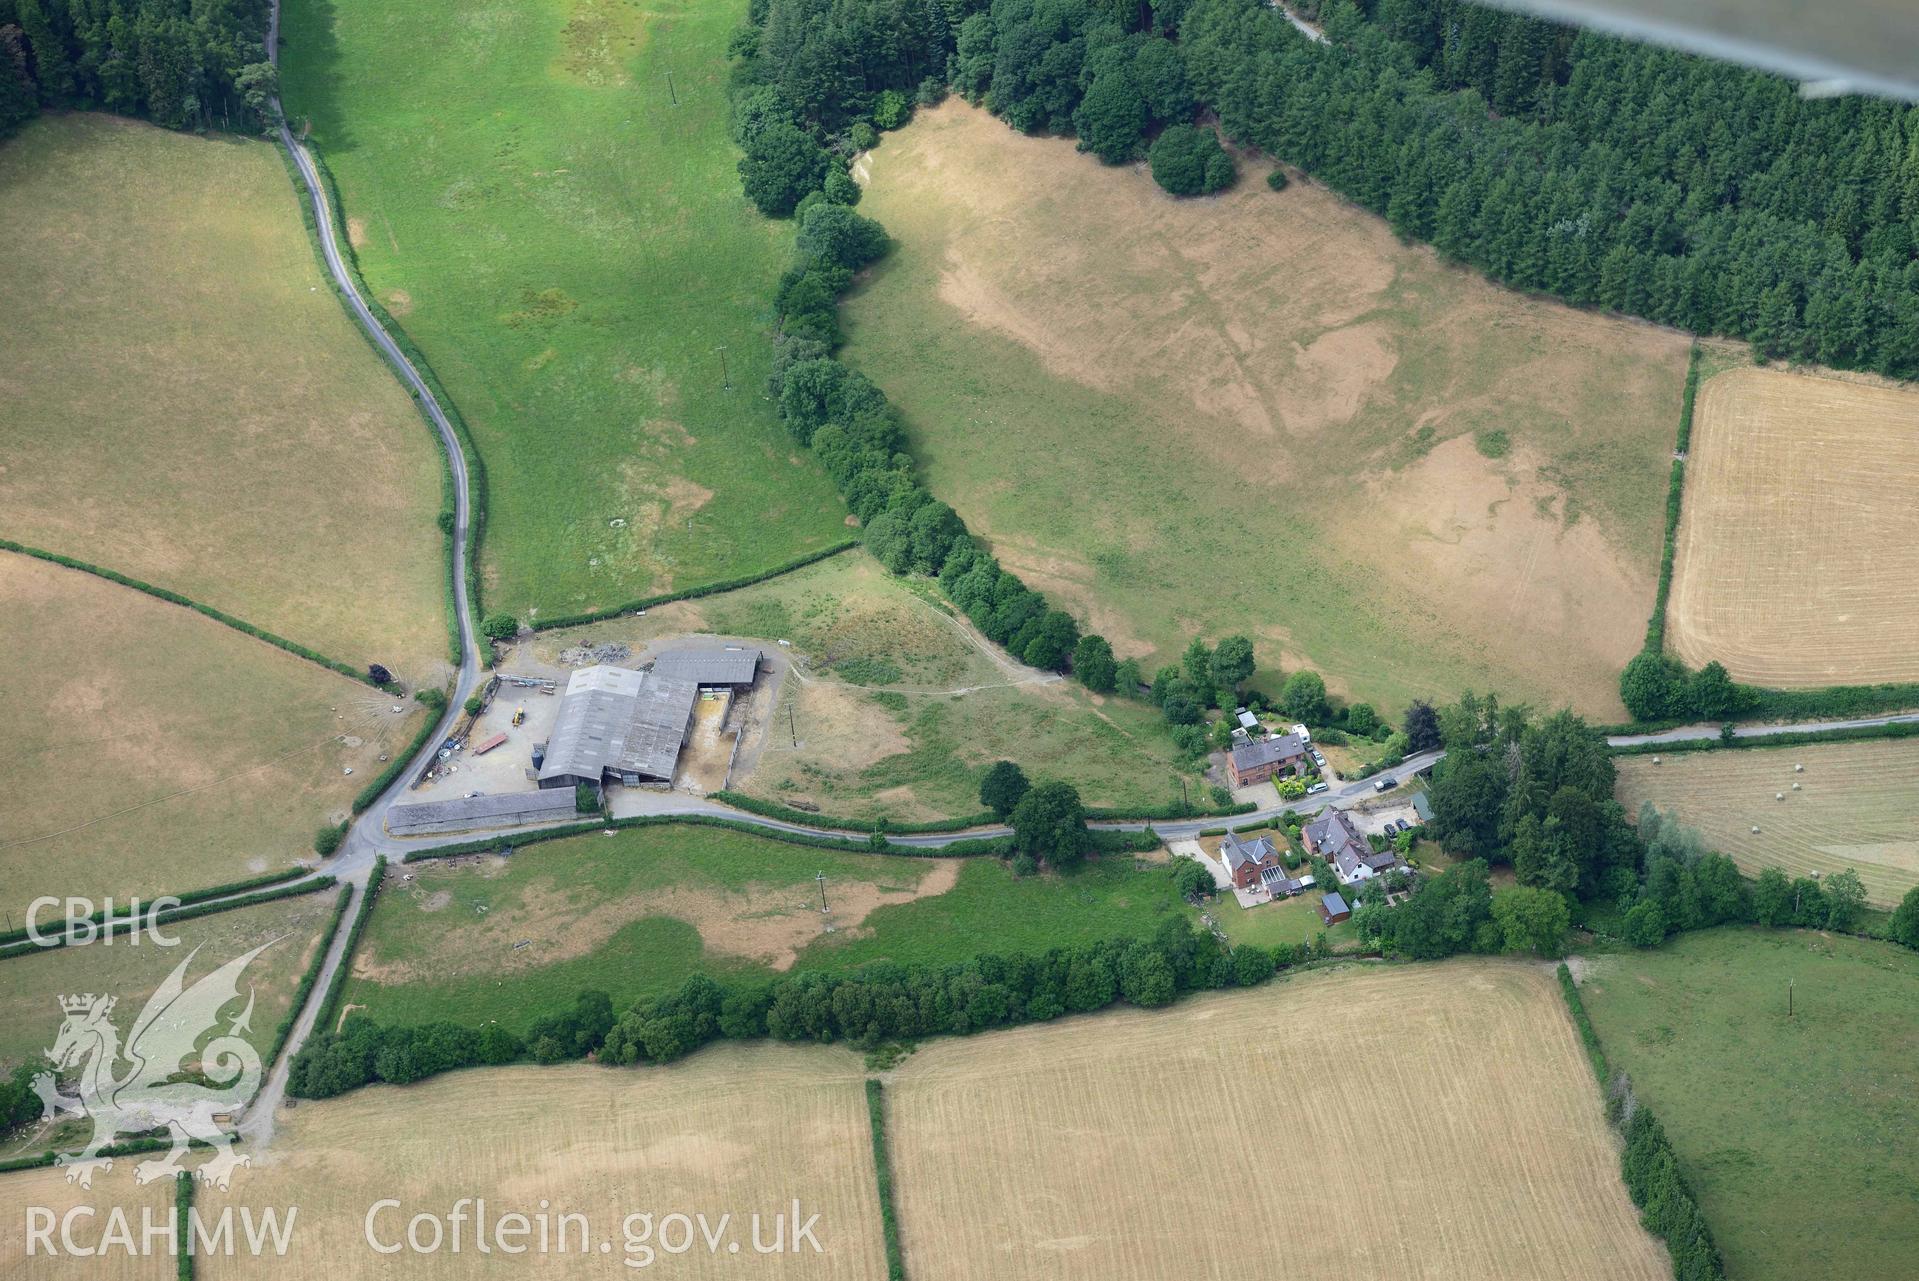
x,y
1258,413
1801,1135
883,730
569,249
187,403
636,913
150,750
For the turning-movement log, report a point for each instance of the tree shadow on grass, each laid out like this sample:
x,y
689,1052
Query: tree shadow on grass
x,y
310,61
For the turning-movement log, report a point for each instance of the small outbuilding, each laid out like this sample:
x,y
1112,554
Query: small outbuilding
x,y
1333,909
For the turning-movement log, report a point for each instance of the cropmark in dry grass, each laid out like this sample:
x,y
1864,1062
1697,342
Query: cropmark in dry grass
x,y
188,404
1229,1137
1261,413
150,750
1855,805
735,1130
1799,539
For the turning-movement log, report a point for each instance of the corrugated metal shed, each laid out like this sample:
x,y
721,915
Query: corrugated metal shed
x,y
619,721
509,810
733,665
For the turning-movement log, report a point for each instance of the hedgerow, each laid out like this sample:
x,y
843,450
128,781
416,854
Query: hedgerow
x,y
175,598
186,899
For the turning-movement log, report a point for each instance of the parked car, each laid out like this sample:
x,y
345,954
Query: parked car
x,y
1316,787
1318,759
1385,784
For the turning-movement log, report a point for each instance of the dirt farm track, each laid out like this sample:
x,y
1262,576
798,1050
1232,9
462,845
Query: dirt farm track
x,y
1799,541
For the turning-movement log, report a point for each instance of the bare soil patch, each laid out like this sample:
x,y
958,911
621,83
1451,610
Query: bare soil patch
x,y
1108,1148
760,922
1245,405
1799,539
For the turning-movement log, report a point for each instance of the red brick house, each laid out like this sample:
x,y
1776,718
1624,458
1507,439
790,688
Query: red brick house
x,y
1257,761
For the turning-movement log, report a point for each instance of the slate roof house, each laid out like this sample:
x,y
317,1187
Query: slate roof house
x,y
1257,865
1257,761
1333,837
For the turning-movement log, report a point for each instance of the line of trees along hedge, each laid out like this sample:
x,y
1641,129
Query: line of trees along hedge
x,y
1537,794
1648,1163
186,912
883,1172
873,1005
179,63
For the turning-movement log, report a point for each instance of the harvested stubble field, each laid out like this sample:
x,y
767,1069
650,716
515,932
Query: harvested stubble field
x,y
31,985
1218,1139
736,1129
637,913
188,404
568,248
1800,1136
150,750
1261,413
1857,806
1799,539
111,1192
899,706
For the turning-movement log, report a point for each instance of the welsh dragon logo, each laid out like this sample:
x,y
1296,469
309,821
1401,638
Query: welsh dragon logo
x,y
157,1087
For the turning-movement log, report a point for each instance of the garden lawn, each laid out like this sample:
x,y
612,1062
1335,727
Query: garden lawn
x,y
1800,1135
569,248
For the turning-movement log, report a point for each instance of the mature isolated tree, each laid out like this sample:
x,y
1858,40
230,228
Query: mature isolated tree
x,y
1049,823
1654,687
1003,787
835,234
1772,898
1093,664
1198,665
1845,900
1422,727
1532,920
1904,926
1303,697
782,164
1111,118
1188,161
1232,663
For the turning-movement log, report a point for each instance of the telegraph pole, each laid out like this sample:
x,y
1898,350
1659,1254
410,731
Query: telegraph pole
x,y
726,381
821,878
669,88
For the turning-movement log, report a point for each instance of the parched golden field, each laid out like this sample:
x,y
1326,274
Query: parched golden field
x,y
188,404
1432,1122
1262,413
31,985
1857,806
149,750
112,1191
736,1129
1799,539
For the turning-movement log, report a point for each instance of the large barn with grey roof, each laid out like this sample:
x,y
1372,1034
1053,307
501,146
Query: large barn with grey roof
x,y
617,725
